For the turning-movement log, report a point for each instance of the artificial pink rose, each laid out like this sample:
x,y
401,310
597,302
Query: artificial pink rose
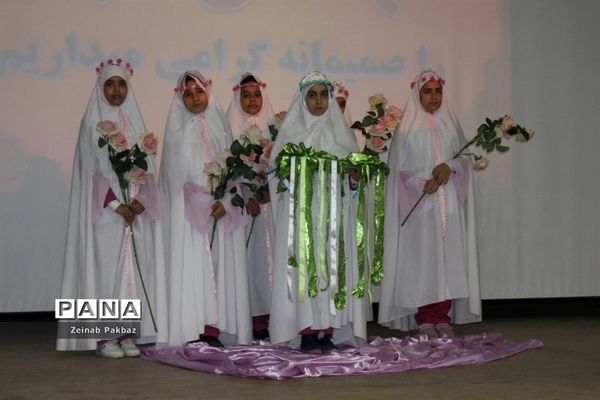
x,y
106,128
376,144
378,130
118,142
377,99
148,143
480,163
389,122
136,175
395,112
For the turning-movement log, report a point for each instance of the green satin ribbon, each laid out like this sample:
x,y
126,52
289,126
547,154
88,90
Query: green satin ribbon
x,y
309,161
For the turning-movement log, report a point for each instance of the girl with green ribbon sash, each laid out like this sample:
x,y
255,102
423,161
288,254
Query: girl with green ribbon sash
x,y
315,252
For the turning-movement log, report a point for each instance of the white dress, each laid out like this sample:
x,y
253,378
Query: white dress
x,y
260,231
433,257
206,287
293,310
99,258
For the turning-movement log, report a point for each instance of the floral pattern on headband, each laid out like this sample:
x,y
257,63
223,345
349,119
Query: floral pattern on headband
x,y
118,62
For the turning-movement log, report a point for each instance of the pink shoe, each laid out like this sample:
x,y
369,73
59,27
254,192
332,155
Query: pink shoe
x,y
445,331
428,330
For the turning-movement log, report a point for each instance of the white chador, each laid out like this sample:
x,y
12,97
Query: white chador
x,y
260,231
99,257
433,257
206,286
293,310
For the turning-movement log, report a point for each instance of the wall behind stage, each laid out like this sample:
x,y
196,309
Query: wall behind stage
x,y
497,56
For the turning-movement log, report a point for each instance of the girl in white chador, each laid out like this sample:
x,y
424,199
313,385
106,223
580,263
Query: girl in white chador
x,y
208,282
314,121
430,264
99,258
250,109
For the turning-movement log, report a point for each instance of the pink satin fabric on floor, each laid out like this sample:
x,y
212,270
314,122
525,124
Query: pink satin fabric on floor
x,y
380,355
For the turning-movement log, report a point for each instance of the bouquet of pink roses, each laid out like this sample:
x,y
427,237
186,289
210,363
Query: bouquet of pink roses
x,y
130,166
128,163
379,124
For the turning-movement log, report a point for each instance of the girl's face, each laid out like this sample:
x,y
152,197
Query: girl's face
x,y
317,99
342,103
115,90
195,98
431,96
251,99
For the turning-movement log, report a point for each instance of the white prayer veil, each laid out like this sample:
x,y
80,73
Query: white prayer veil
x,y
239,120
328,132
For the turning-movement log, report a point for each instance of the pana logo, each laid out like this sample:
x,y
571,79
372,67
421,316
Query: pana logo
x,y
98,309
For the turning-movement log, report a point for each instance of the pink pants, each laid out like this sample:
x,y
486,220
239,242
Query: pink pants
x,y
436,313
308,331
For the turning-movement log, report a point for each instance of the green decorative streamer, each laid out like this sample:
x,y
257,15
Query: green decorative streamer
x,y
360,239
372,169
377,272
340,297
324,274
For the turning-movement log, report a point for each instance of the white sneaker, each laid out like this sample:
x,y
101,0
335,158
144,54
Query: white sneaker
x,y
129,348
109,349
445,331
428,330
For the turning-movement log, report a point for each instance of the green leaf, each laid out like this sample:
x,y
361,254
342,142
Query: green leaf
x,y
236,148
380,110
273,132
101,142
355,125
237,201
489,135
368,121
219,192
142,163
502,149
123,182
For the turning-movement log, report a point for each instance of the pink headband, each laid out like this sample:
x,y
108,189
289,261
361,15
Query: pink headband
x,y
259,84
182,89
424,80
119,63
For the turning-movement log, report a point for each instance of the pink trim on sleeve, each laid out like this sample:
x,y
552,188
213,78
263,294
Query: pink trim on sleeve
x,y
197,202
100,193
409,190
149,197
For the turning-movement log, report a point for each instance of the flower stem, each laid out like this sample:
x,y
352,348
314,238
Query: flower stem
x,y
458,153
137,263
124,192
250,234
212,236
413,208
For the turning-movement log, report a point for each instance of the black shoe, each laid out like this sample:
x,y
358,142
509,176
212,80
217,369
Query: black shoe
x,y
326,344
211,341
261,334
310,344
